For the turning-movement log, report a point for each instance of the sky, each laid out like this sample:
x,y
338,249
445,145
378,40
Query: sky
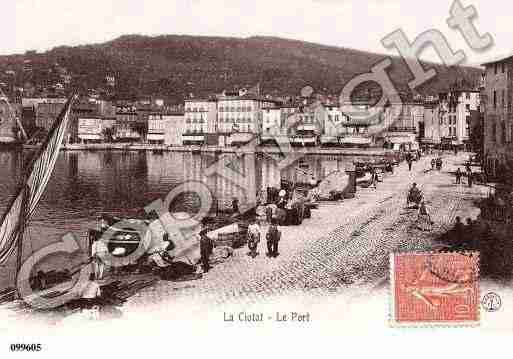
x,y
43,24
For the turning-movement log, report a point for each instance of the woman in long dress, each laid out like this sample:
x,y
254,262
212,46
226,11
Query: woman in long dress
x,y
424,221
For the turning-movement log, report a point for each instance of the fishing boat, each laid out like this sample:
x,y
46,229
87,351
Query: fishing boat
x,y
31,188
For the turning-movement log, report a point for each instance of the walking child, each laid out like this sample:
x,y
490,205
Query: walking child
x,y
254,234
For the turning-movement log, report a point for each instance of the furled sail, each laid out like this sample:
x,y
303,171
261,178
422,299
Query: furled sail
x,y
37,176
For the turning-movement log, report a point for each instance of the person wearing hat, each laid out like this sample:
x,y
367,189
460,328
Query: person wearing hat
x,y
414,195
206,249
273,238
282,202
235,205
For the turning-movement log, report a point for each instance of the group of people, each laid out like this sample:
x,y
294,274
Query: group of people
x,y
273,236
469,174
436,163
462,235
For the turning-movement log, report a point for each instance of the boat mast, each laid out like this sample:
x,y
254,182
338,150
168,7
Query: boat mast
x,y
22,226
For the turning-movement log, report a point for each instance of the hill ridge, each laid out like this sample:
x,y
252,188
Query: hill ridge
x,y
174,65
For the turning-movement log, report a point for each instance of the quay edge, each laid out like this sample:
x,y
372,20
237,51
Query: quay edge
x,y
216,149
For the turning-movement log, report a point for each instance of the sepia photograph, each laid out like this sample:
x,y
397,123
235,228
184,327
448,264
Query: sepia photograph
x,y
192,173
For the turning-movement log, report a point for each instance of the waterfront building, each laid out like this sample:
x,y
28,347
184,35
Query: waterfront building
x,y
304,127
498,116
406,124
82,109
200,118
455,115
8,126
156,129
90,129
46,114
174,127
35,101
28,119
165,128
355,130
129,127
476,131
274,121
333,129
432,123
241,115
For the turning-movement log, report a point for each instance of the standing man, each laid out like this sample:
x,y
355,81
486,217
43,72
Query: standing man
x,y
409,160
433,162
375,178
439,163
458,176
470,179
273,238
410,163
99,251
235,205
206,248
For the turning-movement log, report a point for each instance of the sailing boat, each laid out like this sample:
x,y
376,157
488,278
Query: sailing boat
x,y
11,130
31,189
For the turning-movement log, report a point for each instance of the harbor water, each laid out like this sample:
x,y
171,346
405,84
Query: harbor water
x,y
86,184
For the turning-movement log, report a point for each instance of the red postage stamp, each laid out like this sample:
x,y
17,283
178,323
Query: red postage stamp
x,y
435,288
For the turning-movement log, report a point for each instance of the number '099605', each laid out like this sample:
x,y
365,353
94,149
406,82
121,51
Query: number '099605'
x,y
26,347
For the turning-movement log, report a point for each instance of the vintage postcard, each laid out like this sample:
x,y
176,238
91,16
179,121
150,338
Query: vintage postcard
x,y
193,173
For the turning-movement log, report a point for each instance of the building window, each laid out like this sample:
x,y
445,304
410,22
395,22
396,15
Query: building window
x,y
494,99
503,67
503,99
496,66
467,95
